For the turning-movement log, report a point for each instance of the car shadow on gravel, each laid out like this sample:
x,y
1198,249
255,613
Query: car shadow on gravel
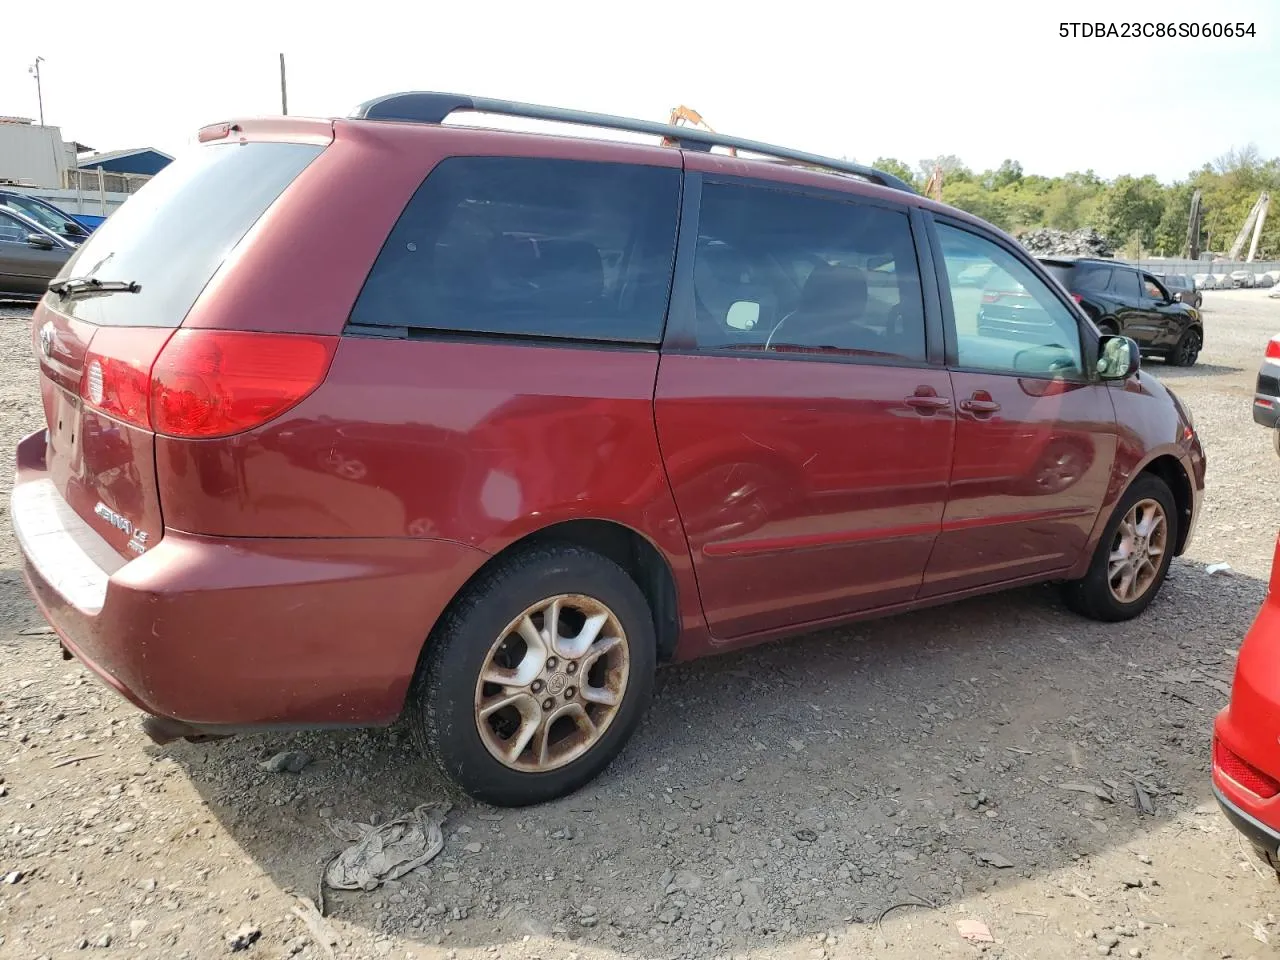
x,y
781,791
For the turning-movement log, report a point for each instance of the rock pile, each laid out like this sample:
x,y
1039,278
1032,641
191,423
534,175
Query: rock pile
x,y
1085,242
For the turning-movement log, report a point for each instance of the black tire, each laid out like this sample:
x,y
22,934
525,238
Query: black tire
x,y
1187,351
442,707
1091,595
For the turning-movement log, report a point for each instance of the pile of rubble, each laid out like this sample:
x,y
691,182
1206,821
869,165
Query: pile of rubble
x,y
1085,242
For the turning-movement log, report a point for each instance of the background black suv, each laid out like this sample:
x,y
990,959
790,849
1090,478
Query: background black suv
x,y
1122,299
1182,287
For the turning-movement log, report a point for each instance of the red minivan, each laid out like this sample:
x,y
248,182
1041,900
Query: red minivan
x,y
355,419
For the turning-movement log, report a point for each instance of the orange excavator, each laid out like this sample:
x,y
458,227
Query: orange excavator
x,y
691,117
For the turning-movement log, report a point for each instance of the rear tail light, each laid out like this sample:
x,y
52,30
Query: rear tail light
x,y
1077,298
201,384
1245,774
117,372
1273,348
990,297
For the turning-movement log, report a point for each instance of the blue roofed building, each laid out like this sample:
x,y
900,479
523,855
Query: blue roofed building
x,y
146,161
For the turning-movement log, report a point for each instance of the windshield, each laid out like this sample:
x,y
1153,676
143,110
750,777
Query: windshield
x,y
172,235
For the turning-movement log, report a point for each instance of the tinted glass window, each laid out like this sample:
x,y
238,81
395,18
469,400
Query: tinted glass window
x,y
1065,273
173,234
532,247
781,271
1094,279
13,230
1014,323
1126,284
41,213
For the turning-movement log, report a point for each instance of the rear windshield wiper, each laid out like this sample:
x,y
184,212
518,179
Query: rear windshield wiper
x,y
77,287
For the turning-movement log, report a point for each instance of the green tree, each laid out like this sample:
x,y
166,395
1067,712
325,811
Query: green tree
x,y
972,198
1132,207
953,168
895,166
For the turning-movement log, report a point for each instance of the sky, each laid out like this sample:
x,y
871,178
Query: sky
x,y
982,80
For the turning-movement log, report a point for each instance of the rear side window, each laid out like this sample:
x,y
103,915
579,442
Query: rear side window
x,y
1094,279
789,272
530,247
1126,284
171,236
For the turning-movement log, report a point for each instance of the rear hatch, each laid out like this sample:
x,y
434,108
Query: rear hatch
x,y
101,348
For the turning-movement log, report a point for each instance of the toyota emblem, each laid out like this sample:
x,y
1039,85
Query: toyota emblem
x,y
46,340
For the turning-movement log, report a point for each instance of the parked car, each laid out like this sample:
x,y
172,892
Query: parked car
x,y
1264,280
1241,278
1121,299
1206,281
1246,748
489,438
1183,288
47,215
1266,392
30,256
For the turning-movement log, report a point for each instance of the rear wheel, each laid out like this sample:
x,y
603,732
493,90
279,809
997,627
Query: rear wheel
x,y
1132,557
1187,351
537,677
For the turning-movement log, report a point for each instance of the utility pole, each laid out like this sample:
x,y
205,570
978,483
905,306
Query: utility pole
x,y
284,90
34,70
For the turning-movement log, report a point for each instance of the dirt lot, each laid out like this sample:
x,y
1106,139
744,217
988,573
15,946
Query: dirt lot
x,y
854,793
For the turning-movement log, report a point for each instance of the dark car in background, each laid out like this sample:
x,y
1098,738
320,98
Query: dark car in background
x,y
1123,299
47,215
30,256
1183,288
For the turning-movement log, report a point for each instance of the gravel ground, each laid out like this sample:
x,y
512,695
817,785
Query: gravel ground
x,y
868,791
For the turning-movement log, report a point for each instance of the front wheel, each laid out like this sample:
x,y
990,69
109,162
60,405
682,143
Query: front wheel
x,y
1187,351
537,677
1132,557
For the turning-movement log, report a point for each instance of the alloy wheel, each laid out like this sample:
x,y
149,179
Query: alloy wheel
x,y
552,683
1137,551
1189,349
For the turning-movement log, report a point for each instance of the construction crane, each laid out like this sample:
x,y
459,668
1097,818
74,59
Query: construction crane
x,y
1252,224
687,115
1192,249
933,188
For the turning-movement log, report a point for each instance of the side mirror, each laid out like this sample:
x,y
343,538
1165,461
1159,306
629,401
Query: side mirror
x,y
39,241
1118,358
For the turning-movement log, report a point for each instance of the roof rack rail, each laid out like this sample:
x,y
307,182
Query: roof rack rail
x,y
427,107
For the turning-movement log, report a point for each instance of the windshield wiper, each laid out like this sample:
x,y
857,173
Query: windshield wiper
x,y
76,287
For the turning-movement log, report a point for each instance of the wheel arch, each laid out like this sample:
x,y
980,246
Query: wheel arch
x,y
1169,469
625,546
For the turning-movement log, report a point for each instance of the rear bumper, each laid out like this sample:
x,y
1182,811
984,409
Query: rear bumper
x,y
237,633
1255,831
1266,395
1249,726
